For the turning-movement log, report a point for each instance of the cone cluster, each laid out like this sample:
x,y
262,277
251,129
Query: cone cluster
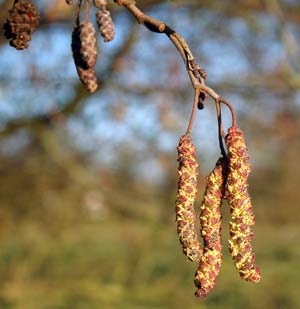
x,y
228,180
84,42
23,19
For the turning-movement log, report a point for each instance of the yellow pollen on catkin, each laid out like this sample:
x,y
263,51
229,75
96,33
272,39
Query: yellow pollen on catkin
x,y
186,194
242,217
210,219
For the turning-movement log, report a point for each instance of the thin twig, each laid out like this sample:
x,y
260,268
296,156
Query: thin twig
x,y
194,110
77,13
220,129
87,11
231,108
196,73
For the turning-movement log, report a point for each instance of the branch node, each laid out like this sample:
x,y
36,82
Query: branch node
x,y
158,28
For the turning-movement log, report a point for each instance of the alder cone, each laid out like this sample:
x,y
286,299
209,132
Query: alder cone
x,y
242,217
186,194
210,219
23,19
20,41
105,25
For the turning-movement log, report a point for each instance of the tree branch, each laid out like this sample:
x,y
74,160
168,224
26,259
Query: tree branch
x,y
196,73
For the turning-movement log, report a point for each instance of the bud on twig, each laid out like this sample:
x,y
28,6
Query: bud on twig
x,y
186,194
242,217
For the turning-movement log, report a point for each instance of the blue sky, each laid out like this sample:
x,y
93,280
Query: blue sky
x,y
151,64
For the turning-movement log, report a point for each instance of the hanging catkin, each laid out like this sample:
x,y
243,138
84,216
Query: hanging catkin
x,y
242,217
88,43
210,219
105,25
86,74
186,194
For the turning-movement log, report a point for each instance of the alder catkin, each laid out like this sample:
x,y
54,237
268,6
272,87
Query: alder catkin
x,y
86,74
186,194
88,43
242,217
105,25
210,219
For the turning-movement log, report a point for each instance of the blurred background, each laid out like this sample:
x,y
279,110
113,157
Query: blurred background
x,y
88,182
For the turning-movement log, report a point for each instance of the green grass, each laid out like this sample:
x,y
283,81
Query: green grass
x,y
97,263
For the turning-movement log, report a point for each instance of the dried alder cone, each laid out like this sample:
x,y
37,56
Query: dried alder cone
x,y
242,217
210,219
23,19
186,194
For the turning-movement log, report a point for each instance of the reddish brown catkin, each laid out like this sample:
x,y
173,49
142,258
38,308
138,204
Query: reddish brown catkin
x,y
242,217
186,194
210,219
104,21
86,74
88,43
105,25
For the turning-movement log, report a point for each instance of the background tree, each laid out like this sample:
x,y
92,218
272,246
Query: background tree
x,y
89,181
